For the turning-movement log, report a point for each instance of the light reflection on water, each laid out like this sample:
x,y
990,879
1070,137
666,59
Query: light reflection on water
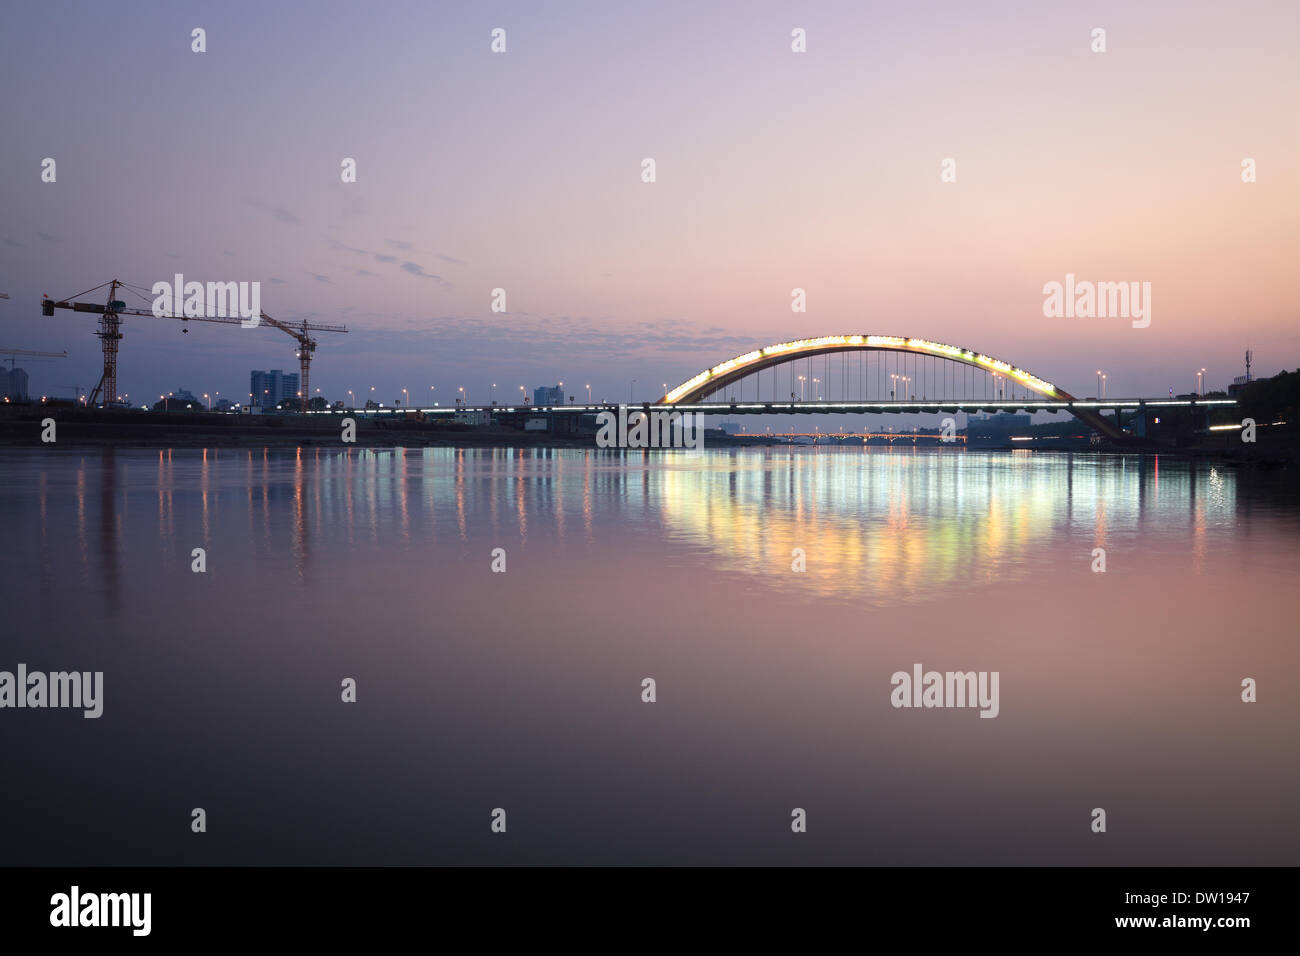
x,y
481,688
883,526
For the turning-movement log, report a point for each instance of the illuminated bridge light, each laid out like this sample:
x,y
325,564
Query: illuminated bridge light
x,y
759,359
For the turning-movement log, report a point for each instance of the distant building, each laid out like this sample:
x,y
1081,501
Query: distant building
x,y
548,395
1240,382
13,385
729,428
1002,421
181,400
273,388
995,429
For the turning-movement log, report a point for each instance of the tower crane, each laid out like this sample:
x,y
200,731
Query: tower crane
x,y
12,352
110,334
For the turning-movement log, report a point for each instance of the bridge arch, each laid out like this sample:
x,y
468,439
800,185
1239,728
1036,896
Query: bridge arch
x,y
694,390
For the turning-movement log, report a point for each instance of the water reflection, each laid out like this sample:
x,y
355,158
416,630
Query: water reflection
x,y
880,525
327,562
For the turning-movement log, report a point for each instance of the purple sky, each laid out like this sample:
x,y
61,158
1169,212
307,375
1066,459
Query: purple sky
x,y
775,170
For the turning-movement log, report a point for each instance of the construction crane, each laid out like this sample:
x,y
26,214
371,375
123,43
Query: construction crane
x,y
12,352
110,334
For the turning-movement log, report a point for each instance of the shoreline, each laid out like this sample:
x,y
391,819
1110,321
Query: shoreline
x,y
79,428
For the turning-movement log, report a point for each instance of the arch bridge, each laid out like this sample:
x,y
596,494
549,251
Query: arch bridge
x,y
942,387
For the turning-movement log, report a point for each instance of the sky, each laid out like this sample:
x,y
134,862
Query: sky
x,y
775,170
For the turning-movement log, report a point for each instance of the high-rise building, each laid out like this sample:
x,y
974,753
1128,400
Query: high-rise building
x,y
13,385
548,395
273,388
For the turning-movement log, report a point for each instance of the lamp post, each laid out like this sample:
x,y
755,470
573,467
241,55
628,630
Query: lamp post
x,y
492,394
588,393
352,400
817,390
406,398
205,395
464,399
1200,383
893,386
1103,386
523,394
801,381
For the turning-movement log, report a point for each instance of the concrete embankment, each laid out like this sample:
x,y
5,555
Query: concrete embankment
x,y
120,428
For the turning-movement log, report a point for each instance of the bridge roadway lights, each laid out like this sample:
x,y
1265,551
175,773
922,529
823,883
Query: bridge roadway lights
x,y
1088,411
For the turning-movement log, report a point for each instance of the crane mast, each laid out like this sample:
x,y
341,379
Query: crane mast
x,y
109,334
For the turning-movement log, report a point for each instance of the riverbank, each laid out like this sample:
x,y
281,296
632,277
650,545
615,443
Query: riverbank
x,y
22,426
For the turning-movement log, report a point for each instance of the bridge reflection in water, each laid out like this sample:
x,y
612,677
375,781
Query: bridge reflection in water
x,y
898,525
884,524
323,563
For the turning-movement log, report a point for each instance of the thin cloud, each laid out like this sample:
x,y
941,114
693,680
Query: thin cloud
x,y
418,270
279,212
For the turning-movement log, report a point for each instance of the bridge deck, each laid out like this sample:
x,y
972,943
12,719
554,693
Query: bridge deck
x,y
835,408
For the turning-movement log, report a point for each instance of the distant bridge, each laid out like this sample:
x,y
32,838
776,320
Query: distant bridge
x,y
936,370
1077,407
948,378
914,438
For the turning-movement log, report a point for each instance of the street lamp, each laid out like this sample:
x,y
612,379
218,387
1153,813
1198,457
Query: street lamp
x,y
462,399
205,395
817,390
352,400
406,398
492,394
801,380
1200,383
893,386
1103,386
906,379
524,397
588,393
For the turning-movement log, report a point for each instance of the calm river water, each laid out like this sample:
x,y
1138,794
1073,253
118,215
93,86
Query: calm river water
x,y
522,690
